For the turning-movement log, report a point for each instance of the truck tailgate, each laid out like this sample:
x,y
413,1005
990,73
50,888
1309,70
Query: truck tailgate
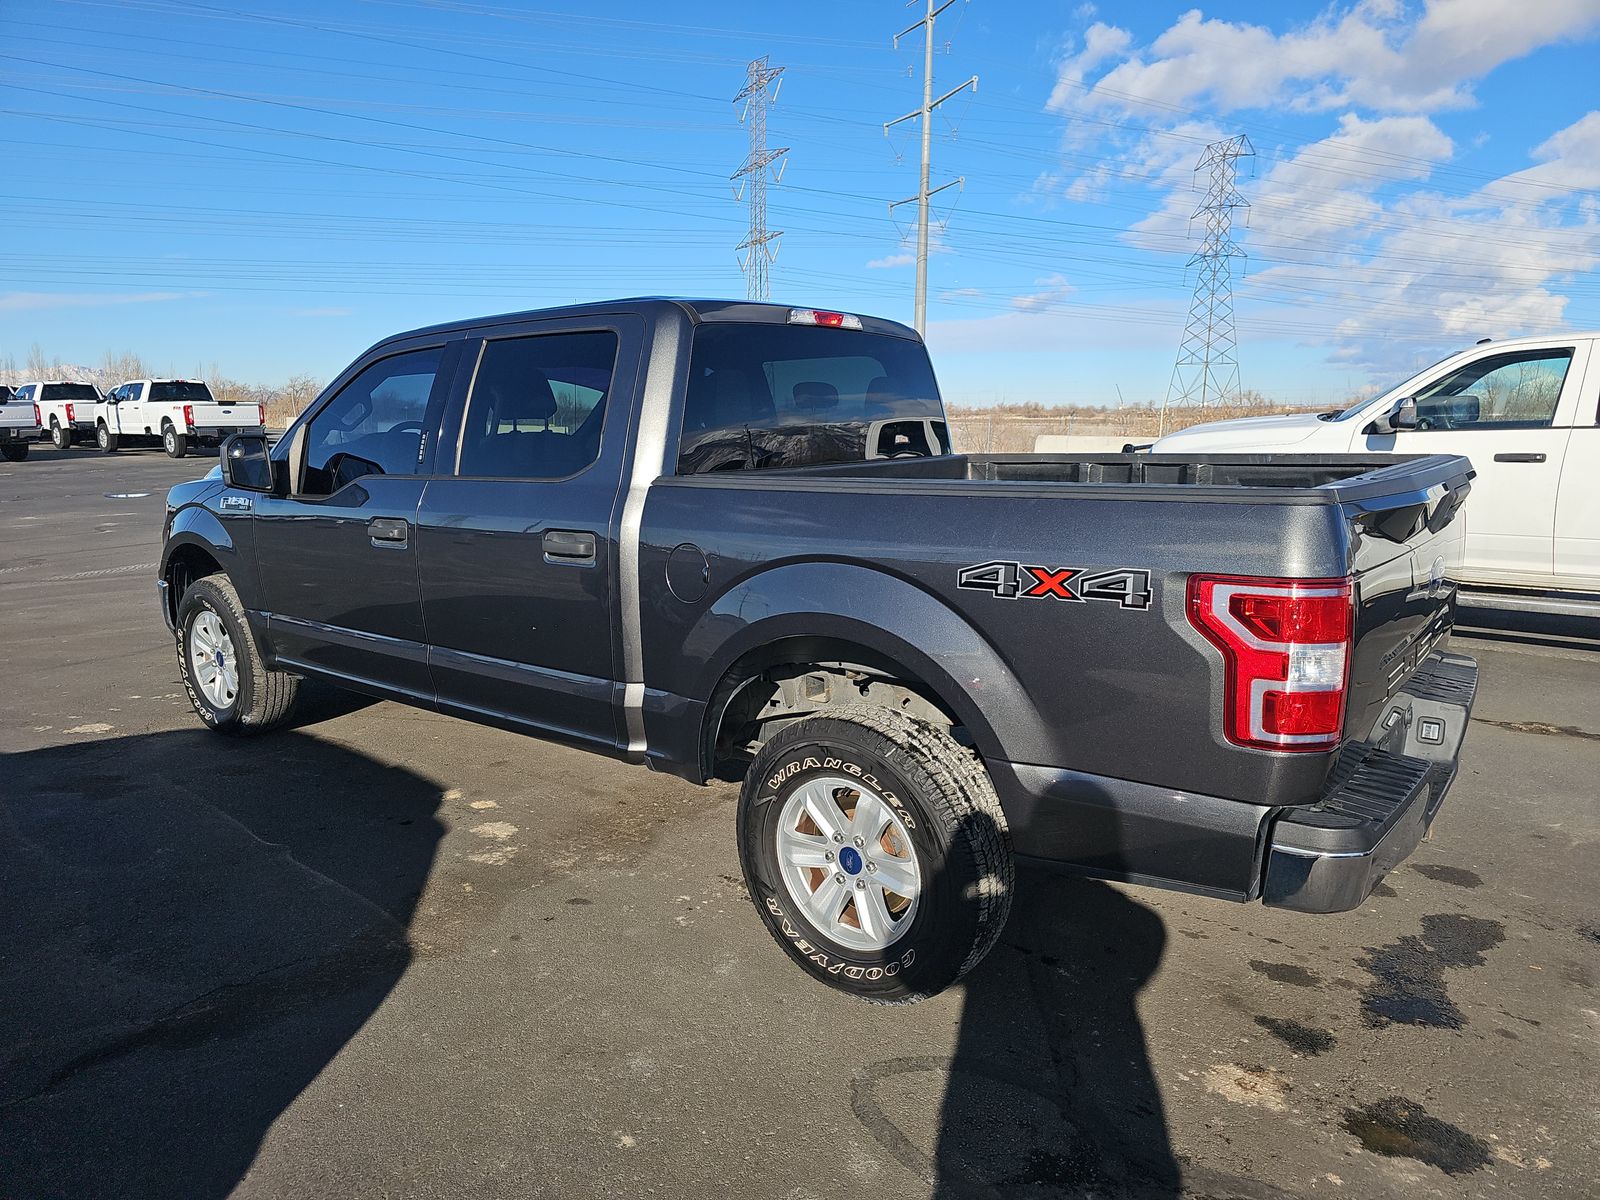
x,y
1408,549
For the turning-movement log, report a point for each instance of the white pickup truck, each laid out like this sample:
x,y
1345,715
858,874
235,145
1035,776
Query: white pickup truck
x,y
66,408
177,413
1527,414
19,424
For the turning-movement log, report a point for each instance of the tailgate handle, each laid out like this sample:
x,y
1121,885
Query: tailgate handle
x,y
1520,457
389,531
573,546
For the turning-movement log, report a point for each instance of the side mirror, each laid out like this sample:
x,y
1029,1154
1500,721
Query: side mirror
x,y
1405,417
245,463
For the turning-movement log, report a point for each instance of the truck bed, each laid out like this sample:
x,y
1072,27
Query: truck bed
x,y
1269,478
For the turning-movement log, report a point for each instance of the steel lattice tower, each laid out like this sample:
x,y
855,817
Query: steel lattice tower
x,y
759,248
1207,370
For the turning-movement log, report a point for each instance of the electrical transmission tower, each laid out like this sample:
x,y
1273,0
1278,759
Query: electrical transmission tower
x,y
1207,370
760,247
926,113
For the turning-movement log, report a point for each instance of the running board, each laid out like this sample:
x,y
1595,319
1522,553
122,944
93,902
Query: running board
x,y
1553,604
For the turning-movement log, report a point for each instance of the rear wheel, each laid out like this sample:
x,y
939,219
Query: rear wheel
x,y
14,451
173,442
105,439
876,852
229,686
60,437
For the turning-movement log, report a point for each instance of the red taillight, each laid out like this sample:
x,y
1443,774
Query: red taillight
x,y
71,416
38,418
188,416
261,415
1286,646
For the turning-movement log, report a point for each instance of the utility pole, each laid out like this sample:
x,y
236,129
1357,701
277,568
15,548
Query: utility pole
x,y
1207,369
919,320
759,248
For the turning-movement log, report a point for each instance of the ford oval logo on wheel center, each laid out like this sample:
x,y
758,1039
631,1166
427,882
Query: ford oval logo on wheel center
x,y
850,860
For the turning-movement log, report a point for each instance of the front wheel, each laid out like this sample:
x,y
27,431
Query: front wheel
x,y
229,686
60,436
105,439
14,451
875,850
174,443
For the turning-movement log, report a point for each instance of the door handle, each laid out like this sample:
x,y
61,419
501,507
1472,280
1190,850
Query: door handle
x,y
1527,457
389,531
572,546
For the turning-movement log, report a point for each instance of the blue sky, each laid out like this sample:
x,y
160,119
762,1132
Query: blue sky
x,y
268,188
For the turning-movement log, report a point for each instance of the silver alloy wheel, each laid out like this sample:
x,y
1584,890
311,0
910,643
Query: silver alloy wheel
x,y
211,656
102,435
169,440
847,860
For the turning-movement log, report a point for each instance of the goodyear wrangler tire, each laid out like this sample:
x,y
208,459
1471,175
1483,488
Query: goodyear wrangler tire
x,y
876,852
231,689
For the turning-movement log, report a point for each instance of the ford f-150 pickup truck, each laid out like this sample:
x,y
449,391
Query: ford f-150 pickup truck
x,y
729,540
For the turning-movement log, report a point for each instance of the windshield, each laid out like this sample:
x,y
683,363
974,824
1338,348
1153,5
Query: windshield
x,y
187,392
7,393
69,391
1361,406
796,395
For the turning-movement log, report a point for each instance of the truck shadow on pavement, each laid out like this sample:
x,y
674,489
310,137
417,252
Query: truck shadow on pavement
x,y
195,928
1050,1088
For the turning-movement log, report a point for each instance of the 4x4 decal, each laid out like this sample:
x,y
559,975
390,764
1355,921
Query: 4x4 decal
x,y
1125,586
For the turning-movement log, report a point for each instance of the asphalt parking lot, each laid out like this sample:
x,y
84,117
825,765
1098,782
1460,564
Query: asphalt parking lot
x,y
387,953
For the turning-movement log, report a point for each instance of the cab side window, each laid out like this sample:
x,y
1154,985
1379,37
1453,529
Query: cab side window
x,y
537,406
1505,391
374,425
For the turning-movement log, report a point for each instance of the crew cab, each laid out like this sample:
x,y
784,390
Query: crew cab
x,y
173,413
1526,412
19,424
66,408
727,540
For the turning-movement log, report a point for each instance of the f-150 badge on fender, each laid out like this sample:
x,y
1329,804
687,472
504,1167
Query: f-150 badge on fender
x,y
1127,587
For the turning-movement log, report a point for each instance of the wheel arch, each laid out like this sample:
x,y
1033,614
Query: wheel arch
x,y
855,624
197,545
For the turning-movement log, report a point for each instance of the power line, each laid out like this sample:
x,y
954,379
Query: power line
x,y
920,318
1207,370
759,247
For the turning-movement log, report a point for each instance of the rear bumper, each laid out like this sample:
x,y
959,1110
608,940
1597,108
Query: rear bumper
x,y
24,433
218,432
1324,857
1382,798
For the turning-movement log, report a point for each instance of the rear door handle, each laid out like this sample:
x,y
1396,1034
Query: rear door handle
x,y
389,531
1527,457
571,546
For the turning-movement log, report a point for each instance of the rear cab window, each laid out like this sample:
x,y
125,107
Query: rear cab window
x,y
69,391
762,396
181,392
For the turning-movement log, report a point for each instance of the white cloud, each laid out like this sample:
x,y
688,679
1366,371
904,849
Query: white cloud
x,y
1375,55
38,301
1055,288
1364,240
891,260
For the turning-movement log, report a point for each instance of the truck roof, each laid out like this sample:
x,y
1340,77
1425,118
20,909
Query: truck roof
x,y
696,311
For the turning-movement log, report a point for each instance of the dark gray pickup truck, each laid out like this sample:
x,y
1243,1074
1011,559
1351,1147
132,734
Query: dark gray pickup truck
x,y
730,541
